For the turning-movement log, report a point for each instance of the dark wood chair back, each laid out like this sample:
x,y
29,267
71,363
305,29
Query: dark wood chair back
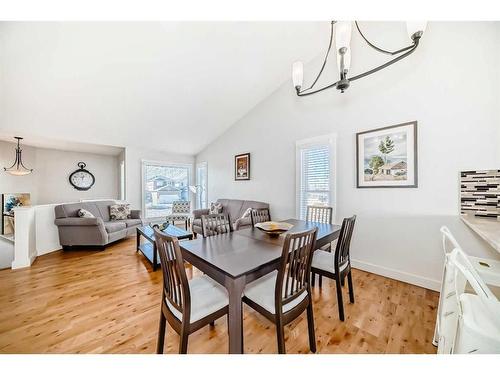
x,y
215,224
342,250
319,214
294,274
175,282
260,215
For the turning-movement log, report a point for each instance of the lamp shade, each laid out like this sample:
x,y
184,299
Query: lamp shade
x,y
343,31
415,27
297,74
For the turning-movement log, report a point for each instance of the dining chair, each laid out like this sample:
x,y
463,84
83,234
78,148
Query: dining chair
x,y
337,265
320,214
186,305
488,270
260,215
282,295
475,318
215,224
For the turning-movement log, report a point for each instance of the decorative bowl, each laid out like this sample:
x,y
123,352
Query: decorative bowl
x,y
274,228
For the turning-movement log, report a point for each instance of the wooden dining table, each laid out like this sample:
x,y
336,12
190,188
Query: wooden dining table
x,y
237,258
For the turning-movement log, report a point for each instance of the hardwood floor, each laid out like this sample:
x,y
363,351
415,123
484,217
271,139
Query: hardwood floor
x,y
109,302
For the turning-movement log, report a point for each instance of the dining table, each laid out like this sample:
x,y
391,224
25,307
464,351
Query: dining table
x,y
237,258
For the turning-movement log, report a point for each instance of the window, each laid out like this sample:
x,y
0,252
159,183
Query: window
x,y
201,185
163,184
315,182
122,180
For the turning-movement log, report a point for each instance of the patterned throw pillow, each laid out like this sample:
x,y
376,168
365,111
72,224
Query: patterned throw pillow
x,y
119,212
247,213
84,213
215,208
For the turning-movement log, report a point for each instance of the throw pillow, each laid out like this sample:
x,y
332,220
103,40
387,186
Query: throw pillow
x,y
119,212
247,213
215,208
84,213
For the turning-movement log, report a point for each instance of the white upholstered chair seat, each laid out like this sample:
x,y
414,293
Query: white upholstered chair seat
x,y
207,296
262,291
324,260
477,318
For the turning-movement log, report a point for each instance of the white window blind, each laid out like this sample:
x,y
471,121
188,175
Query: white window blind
x,y
314,175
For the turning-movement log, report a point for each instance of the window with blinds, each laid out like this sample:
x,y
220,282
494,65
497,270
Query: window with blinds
x,y
314,172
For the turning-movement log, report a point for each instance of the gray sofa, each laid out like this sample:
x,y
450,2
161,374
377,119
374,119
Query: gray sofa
x,y
98,231
235,208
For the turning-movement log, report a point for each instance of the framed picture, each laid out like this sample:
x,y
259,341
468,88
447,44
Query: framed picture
x,y
9,202
242,167
387,157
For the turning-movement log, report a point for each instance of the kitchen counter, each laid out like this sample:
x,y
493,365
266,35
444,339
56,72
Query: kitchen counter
x,y
486,228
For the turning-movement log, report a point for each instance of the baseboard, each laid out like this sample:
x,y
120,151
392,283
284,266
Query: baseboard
x,y
48,251
16,265
397,275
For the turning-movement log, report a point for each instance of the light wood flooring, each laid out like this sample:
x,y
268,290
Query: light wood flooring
x,y
109,302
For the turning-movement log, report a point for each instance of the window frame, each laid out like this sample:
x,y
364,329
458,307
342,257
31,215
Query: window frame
x,y
331,141
199,165
145,162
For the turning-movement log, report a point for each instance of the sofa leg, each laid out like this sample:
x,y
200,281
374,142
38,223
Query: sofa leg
x,y
66,247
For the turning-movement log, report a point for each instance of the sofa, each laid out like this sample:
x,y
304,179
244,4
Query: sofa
x,y
235,208
98,231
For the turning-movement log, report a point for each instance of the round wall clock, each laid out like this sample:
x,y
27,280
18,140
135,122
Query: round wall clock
x,y
81,179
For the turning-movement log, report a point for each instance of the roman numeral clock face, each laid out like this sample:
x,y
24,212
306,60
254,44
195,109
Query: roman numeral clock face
x,y
82,179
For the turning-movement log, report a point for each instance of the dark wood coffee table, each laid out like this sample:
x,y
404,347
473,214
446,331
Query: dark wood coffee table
x,y
148,248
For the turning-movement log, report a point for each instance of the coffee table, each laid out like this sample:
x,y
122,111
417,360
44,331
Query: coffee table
x,y
148,248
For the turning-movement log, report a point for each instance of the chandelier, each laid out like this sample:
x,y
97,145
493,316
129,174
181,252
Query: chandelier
x,y
18,168
342,31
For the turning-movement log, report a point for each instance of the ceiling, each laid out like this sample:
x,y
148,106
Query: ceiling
x,y
170,86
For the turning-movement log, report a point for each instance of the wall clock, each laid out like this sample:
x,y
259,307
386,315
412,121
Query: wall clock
x,y
82,179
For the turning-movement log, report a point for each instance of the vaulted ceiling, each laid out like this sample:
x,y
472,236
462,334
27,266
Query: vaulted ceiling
x,y
171,86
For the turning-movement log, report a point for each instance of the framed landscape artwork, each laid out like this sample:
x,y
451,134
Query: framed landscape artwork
x,y
387,157
242,167
9,202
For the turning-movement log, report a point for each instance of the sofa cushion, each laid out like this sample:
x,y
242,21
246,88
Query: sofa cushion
x,y
82,212
72,209
231,207
215,208
103,207
114,226
252,204
95,207
119,212
197,223
133,222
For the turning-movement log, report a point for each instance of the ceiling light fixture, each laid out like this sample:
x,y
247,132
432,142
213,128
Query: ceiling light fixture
x,y
342,31
18,168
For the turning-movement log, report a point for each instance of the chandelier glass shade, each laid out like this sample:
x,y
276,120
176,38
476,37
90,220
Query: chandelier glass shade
x,y
18,168
341,32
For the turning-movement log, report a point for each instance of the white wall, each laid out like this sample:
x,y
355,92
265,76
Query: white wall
x,y
51,169
451,90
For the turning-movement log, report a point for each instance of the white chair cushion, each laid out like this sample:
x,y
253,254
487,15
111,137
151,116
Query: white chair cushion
x,y
206,298
261,291
324,260
477,319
